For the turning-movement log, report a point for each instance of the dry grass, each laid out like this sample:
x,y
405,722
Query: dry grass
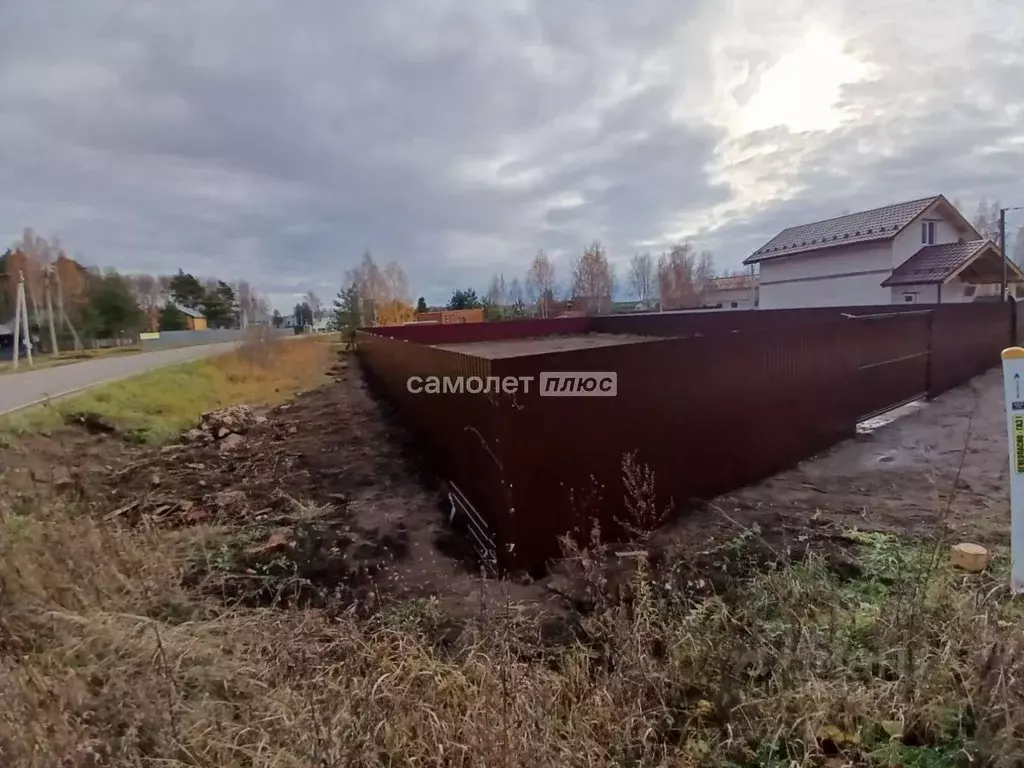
x,y
106,660
156,406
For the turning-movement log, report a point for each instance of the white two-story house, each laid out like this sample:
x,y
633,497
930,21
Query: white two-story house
x,y
923,251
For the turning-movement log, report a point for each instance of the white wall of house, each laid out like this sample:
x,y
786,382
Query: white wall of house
x,y
908,242
916,294
952,293
834,277
743,298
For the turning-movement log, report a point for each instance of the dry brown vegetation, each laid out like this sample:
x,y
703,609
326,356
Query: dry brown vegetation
x,y
115,651
107,660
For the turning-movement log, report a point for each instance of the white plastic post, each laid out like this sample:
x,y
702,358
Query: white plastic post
x,y
1013,379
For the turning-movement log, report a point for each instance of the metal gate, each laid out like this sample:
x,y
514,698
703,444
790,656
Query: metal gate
x,y
892,357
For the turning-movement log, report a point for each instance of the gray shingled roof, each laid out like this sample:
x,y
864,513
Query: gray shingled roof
x,y
733,282
188,311
935,263
877,224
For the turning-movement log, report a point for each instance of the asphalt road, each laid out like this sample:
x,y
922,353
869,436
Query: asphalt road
x,y
22,389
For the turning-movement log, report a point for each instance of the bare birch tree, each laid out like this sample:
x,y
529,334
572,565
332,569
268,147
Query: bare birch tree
x,y
642,278
497,292
678,277
244,296
37,258
592,279
316,306
540,283
397,283
515,292
986,219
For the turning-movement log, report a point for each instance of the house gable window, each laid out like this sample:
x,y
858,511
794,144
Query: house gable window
x,y
928,232
910,298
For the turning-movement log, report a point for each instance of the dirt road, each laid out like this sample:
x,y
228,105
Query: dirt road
x,y
19,390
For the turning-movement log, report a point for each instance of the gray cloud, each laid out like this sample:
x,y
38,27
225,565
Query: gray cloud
x,y
277,141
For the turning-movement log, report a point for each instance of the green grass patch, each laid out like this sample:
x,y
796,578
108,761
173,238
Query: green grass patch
x,y
40,420
156,406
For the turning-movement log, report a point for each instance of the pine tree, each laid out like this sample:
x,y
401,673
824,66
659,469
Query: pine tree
x,y
346,315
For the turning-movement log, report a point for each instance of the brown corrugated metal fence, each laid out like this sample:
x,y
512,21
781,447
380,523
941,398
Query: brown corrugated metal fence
x,y
705,414
720,401
967,340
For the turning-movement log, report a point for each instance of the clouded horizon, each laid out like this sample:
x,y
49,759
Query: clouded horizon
x,y
275,142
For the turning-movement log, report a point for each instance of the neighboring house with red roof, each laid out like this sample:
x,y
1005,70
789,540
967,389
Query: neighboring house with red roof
x,y
731,292
922,251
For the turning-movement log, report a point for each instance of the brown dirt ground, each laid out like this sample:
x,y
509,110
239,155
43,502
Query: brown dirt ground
x,y
899,478
326,502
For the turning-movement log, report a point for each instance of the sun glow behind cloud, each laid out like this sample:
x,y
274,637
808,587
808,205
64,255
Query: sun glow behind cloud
x,y
793,103
802,91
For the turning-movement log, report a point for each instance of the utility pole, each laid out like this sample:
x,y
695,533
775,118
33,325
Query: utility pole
x,y
49,309
63,315
1002,247
17,326
21,327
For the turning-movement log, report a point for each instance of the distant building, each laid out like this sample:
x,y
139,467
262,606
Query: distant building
x,y
630,307
450,316
731,292
590,305
7,341
195,319
919,252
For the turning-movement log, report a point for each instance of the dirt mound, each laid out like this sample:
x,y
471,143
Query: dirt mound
x,y
223,424
323,498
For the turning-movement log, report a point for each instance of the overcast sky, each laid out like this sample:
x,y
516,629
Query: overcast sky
x,y
275,141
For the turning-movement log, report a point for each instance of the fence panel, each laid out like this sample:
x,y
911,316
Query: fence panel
x,y
891,353
175,339
708,322
456,432
967,340
741,396
459,333
705,414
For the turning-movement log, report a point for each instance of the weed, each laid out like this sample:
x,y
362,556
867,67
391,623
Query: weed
x,y
158,405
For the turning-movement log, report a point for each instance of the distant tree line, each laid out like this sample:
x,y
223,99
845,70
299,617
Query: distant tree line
x,y
677,279
986,221
87,303
374,295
